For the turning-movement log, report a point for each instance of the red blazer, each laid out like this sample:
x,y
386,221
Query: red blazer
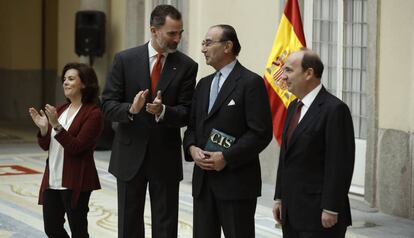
x,y
79,171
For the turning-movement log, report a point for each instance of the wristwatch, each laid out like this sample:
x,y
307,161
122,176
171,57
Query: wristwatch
x,y
58,128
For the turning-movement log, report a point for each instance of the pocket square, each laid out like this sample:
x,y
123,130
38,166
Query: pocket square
x,y
231,103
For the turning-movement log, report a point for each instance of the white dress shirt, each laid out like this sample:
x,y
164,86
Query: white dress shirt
x,y
308,100
225,71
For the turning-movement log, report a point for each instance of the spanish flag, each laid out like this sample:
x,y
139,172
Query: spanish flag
x,y
289,38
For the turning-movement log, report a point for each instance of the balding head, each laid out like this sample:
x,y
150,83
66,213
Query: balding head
x,y
312,60
302,72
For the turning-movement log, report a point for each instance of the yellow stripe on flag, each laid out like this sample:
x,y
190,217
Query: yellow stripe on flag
x,y
286,42
289,38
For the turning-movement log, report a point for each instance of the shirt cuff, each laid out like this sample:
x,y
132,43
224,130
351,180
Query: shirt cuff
x,y
159,118
278,201
330,212
130,115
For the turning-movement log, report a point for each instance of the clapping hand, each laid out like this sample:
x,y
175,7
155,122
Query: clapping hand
x,y
52,115
39,119
155,107
139,101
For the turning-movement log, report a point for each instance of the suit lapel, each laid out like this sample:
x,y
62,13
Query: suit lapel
x,y
141,68
287,121
309,117
205,97
168,72
226,89
77,120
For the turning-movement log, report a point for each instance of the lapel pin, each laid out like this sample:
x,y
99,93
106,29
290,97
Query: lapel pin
x,y
174,68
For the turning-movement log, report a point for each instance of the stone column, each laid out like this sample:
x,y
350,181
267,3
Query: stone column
x,y
372,107
135,23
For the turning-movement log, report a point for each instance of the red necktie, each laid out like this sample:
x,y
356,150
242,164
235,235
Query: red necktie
x,y
155,74
294,121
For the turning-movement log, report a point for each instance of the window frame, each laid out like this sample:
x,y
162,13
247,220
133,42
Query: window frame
x,y
308,21
364,146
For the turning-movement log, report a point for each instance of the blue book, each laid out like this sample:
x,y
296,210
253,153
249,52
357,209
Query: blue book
x,y
219,141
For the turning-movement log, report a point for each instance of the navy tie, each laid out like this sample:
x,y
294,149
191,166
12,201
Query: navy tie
x,y
215,88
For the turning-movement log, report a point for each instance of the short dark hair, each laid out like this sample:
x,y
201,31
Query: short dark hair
x,y
160,13
88,77
229,34
312,60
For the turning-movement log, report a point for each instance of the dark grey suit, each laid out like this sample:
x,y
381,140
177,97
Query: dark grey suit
x,y
241,110
315,168
144,150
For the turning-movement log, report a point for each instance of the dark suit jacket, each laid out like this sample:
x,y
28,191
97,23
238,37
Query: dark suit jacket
x,y
249,120
135,140
315,169
79,143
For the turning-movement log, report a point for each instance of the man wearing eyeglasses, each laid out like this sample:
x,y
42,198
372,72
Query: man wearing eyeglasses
x,y
230,125
149,91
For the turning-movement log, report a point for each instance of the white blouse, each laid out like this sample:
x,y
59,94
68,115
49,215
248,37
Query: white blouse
x,y
56,152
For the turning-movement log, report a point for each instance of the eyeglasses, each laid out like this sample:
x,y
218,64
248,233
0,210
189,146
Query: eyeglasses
x,y
207,43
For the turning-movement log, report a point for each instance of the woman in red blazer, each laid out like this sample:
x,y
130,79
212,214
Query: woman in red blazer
x,y
69,134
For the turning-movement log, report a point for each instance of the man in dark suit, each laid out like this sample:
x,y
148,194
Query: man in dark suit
x,y
147,144
316,157
233,101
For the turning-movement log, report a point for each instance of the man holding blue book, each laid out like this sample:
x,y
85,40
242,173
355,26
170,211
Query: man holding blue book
x,y
230,125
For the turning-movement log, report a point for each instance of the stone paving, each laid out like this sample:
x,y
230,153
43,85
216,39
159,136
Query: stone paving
x,y
21,172
22,164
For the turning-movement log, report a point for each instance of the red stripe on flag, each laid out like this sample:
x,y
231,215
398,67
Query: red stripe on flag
x,y
278,110
292,13
278,74
289,38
